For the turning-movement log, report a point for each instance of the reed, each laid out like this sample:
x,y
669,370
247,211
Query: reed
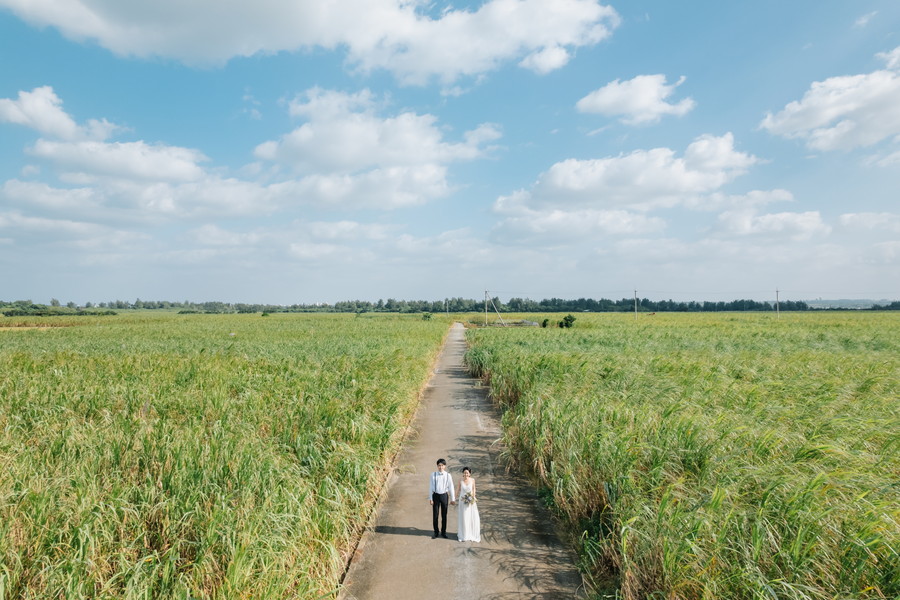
x,y
198,456
715,455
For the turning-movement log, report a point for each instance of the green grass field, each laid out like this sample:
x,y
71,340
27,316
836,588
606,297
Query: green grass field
x,y
197,456
713,455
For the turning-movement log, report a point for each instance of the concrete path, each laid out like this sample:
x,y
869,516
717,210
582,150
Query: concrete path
x,y
519,555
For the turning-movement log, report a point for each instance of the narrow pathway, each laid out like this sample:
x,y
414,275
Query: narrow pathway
x,y
519,556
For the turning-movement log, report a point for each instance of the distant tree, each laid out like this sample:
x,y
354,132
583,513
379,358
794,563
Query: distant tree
x,y
895,305
522,305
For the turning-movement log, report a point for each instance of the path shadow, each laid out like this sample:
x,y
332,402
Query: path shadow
x,y
460,374
390,530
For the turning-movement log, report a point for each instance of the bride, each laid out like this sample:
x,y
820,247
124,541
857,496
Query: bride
x,y
469,525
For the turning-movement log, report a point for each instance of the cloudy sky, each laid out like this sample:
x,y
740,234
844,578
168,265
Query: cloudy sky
x,y
316,151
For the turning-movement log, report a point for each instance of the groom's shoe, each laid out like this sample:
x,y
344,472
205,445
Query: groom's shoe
x,y
434,537
444,535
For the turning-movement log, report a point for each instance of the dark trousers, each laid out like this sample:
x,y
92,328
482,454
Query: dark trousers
x,y
440,504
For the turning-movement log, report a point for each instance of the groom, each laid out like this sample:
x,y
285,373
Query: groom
x,y
439,489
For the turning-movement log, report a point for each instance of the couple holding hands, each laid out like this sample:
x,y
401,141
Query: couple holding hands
x,y
440,492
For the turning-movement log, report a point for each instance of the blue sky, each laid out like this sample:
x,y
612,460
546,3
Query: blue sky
x,y
360,149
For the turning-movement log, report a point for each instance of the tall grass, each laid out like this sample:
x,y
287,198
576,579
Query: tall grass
x,y
713,456
197,456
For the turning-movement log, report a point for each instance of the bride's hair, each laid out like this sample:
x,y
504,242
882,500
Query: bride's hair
x,y
467,469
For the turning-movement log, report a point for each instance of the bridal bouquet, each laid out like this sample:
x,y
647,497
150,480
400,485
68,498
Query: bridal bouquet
x,y
468,498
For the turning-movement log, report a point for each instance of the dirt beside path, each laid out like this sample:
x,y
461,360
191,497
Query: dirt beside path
x,y
519,555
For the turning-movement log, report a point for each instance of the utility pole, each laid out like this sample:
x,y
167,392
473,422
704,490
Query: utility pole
x,y
635,305
777,308
485,307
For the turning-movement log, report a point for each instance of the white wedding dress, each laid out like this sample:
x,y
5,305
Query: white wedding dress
x,y
469,526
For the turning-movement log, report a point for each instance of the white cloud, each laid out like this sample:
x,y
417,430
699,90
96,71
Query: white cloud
x,y
67,233
348,155
344,156
318,232
667,250
394,35
24,223
395,250
891,59
888,160
864,20
546,60
794,226
41,195
310,251
203,198
104,170
349,231
439,251
128,160
755,198
641,180
328,105
339,244
145,201
711,155
41,110
554,227
884,253
463,43
871,221
578,201
842,113
251,105
343,134
213,235
378,188
486,132
738,260
637,101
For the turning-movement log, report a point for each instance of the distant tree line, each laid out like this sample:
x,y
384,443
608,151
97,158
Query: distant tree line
x,y
646,305
391,305
27,308
895,305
